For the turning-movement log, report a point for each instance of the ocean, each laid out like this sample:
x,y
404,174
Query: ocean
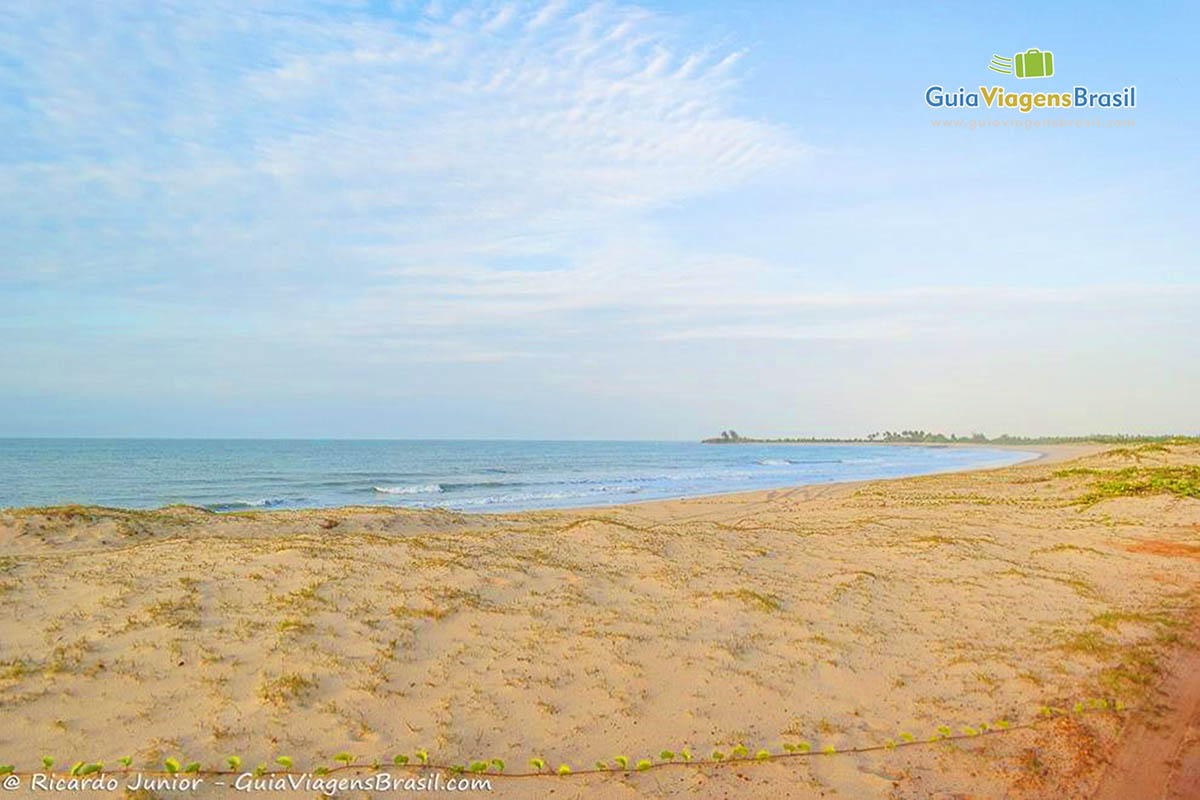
x,y
239,474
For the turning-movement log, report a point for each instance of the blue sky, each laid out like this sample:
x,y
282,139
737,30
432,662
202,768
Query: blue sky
x,y
578,220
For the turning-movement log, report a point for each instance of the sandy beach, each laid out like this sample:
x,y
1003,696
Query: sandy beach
x,y
847,616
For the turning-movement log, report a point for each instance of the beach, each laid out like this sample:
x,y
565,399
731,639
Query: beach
x,y
1021,610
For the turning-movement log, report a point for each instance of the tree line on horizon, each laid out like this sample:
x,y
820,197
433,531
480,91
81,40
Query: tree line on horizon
x,y
927,437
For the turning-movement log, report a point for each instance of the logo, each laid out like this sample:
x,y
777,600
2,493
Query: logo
x,y
1033,63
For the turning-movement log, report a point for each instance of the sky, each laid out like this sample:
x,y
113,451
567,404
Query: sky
x,y
566,219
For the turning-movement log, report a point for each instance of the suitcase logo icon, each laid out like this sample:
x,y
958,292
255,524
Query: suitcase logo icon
x,y
1033,63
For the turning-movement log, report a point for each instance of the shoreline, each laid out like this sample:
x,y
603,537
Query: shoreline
x,y
1048,453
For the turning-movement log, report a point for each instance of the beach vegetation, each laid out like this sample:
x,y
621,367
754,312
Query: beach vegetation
x,y
537,763
478,766
740,751
717,755
47,763
7,769
686,754
644,764
284,762
345,758
423,755
234,762
667,755
400,760
1180,481
192,768
171,765
763,754
829,750
498,763
563,769
752,599
622,762
286,688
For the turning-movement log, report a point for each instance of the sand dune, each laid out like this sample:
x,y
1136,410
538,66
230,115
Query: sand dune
x,y
839,616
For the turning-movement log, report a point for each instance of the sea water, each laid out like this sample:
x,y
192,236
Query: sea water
x,y
236,474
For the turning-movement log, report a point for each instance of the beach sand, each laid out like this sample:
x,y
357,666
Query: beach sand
x,y
840,615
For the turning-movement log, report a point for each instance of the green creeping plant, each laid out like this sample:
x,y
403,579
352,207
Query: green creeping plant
x,y
400,761
740,751
763,755
47,762
126,761
1002,724
91,769
622,762
193,767
907,737
969,731
687,754
537,764
600,765
284,762
234,763
717,755
643,765
890,744
666,755
788,747
260,770
7,769
424,756
345,758
478,766
498,763
171,764
321,771
563,769
457,769
830,750
944,730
